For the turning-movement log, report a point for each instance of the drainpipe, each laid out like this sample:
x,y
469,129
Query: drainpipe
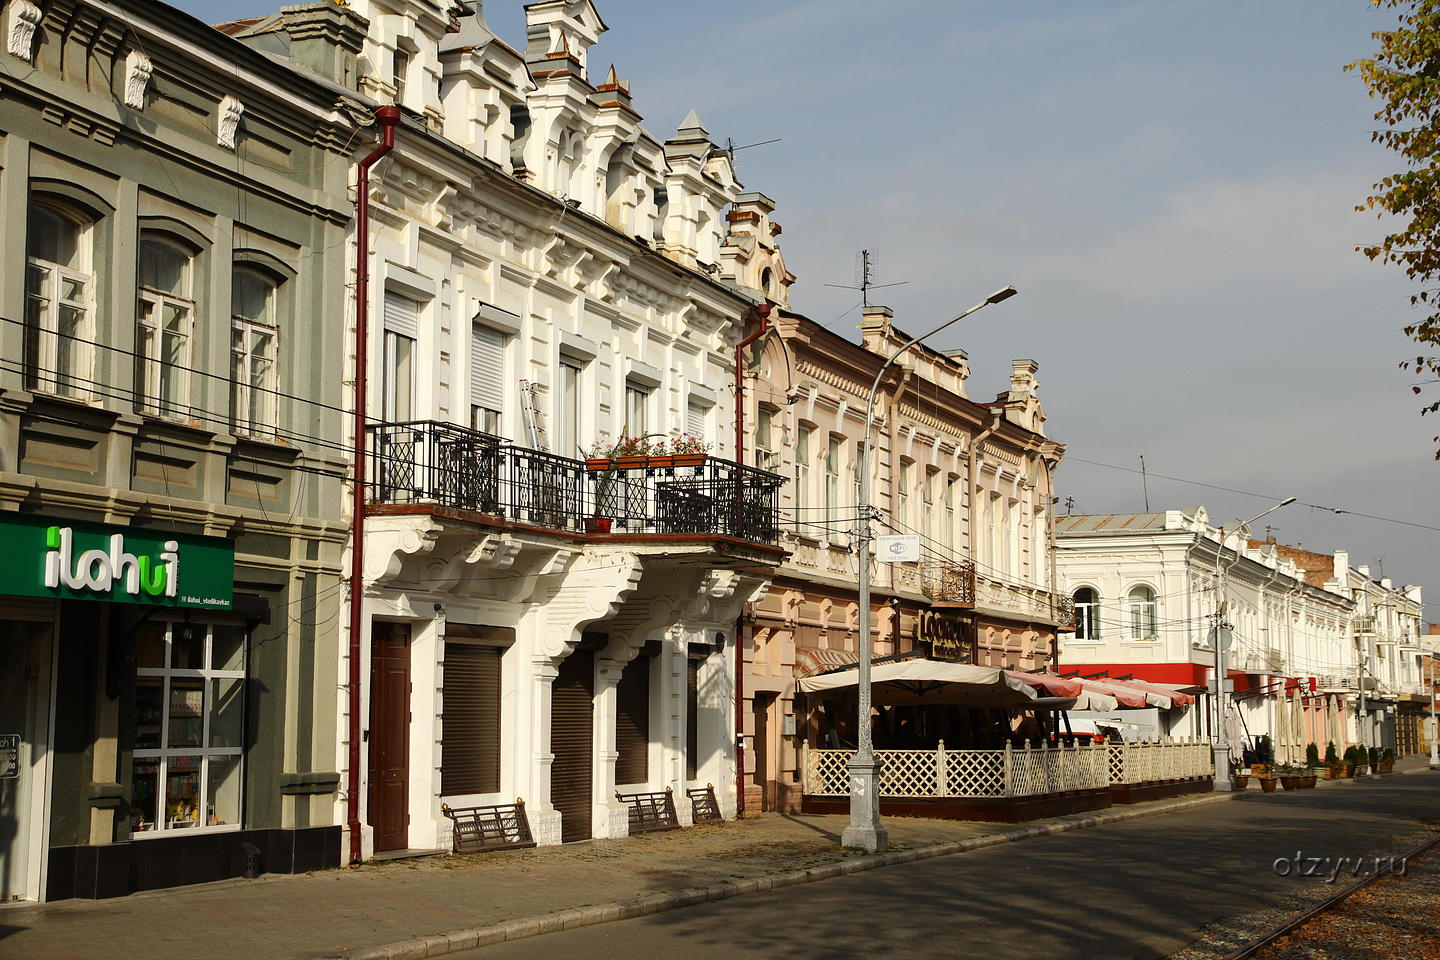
x,y
389,117
762,312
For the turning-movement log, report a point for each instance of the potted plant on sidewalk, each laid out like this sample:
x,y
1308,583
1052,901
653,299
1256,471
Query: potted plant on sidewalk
x,y
1292,776
1268,783
1334,767
1241,779
1387,760
1312,758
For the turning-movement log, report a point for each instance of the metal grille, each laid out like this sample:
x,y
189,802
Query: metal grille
x,y
431,462
493,827
650,811
948,582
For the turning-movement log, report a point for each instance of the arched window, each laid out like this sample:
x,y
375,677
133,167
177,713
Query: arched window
x,y
254,347
59,302
1087,614
1142,613
165,321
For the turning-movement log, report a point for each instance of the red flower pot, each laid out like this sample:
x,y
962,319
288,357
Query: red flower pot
x,y
598,524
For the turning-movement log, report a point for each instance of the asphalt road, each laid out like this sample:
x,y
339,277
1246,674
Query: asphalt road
x,y
1140,889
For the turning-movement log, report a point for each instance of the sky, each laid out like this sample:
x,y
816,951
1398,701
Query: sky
x,y
1170,185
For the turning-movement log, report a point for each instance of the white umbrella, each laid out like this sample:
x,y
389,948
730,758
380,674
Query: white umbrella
x,y
921,681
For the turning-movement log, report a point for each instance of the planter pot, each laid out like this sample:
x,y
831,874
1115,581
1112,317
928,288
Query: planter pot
x,y
1268,784
1290,783
677,460
598,524
1349,769
619,463
1241,780
1387,766
1361,770
1335,772
1309,781
599,464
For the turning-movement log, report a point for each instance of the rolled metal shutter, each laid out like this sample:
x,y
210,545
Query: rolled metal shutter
x,y
632,723
695,414
402,315
692,718
487,367
470,720
572,708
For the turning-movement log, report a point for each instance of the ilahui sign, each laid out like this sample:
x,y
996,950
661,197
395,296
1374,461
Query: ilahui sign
x,y
43,557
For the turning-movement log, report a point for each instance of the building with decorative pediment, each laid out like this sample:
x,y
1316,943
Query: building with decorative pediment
x,y
547,277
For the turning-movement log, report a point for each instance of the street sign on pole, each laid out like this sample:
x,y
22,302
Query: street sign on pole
x,y
899,548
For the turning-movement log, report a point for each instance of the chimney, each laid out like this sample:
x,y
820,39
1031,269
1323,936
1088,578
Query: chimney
x,y
326,38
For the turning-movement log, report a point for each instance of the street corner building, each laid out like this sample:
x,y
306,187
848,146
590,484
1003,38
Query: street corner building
x,y
170,536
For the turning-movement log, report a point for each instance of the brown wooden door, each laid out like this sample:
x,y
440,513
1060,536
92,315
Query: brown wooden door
x,y
390,734
761,745
572,707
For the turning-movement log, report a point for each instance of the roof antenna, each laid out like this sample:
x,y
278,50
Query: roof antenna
x,y
867,264
1145,483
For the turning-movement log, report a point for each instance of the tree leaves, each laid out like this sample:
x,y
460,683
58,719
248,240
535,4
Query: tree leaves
x,y
1405,77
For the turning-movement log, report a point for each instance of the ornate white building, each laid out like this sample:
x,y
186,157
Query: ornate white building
x,y
543,269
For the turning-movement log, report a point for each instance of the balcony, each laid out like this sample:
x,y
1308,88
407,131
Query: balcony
x,y
949,584
1023,600
441,464
1363,626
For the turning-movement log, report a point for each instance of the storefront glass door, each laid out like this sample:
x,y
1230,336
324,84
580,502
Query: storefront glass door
x,y
24,724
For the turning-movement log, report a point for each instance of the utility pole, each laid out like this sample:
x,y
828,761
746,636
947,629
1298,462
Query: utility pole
x,y
1363,720
1434,713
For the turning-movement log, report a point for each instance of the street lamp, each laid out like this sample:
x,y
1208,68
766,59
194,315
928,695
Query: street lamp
x,y
1221,748
865,831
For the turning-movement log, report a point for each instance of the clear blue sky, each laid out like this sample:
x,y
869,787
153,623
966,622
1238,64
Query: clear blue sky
x,y
1170,185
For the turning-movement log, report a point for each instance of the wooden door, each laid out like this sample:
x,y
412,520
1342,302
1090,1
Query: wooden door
x,y
572,709
761,745
390,734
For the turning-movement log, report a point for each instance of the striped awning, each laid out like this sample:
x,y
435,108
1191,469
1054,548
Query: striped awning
x,y
812,660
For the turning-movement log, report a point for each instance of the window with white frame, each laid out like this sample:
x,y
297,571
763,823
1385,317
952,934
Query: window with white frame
x,y
1141,600
927,502
188,759
803,438
567,408
992,533
952,485
487,378
398,356
1087,614
765,457
857,466
254,346
697,418
166,325
902,502
832,485
637,408
59,302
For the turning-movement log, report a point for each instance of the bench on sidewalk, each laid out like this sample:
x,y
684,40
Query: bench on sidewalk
x,y
650,811
498,826
703,806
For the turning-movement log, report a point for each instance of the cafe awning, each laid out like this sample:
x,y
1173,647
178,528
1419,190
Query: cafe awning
x,y
1049,685
921,682
1126,697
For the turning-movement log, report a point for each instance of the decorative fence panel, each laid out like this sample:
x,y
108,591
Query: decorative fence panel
x,y
1013,772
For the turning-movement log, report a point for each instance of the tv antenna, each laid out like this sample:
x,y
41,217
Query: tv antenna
x,y
867,264
1069,506
730,147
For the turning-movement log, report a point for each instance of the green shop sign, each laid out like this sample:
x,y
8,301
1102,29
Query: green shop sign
x,y
41,557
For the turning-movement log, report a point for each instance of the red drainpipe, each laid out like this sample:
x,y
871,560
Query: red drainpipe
x,y
389,117
762,312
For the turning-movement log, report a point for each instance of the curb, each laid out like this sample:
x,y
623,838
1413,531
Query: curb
x,y
524,927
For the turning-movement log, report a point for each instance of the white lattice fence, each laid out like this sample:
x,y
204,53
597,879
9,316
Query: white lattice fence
x,y
1031,771
1026,772
1159,760
975,773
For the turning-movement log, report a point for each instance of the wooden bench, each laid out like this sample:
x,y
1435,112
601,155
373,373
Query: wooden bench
x,y
499,826
650,812
703,806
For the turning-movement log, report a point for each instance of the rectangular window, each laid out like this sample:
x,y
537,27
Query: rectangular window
x,y
567,410
952,485
902,502
802,475
399,386
254,340
857,465
470,715
637,403
832,488
927,502
487,378
188,765
697,416
165,319
992,533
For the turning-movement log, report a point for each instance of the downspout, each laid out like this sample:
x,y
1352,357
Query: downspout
x,y
762,312
389,117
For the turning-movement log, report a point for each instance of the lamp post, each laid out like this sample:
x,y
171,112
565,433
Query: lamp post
x,y
865,831
1221,748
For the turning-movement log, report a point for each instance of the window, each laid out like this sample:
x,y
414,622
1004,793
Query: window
x,y
927,502
697,414
487,378
637,403
802,473
992,533
857,467
166,325
951,485
832,484
765,457
59,303
402,322
254,340
567,409
399,68
188,765
1087,614
902,503
1142,613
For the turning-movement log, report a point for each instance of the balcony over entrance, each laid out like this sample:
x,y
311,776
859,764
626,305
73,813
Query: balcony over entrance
x,y
445,466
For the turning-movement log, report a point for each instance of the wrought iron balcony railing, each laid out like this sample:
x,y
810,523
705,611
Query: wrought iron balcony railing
x,y
949,582
431,462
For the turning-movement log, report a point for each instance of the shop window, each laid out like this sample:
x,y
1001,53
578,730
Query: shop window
x,y
254,342
188,763
166,319
59,303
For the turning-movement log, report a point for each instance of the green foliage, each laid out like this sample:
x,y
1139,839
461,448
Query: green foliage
x,y
1265,749
1404,75
1388,755
1374,756
1332,757
1312,756
1351,754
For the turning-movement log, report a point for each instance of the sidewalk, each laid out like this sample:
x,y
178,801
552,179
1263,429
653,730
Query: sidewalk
x,y
355,911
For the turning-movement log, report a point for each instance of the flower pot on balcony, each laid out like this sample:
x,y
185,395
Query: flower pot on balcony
x,y
667,462
1268,784
618,463
598,524
676,460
